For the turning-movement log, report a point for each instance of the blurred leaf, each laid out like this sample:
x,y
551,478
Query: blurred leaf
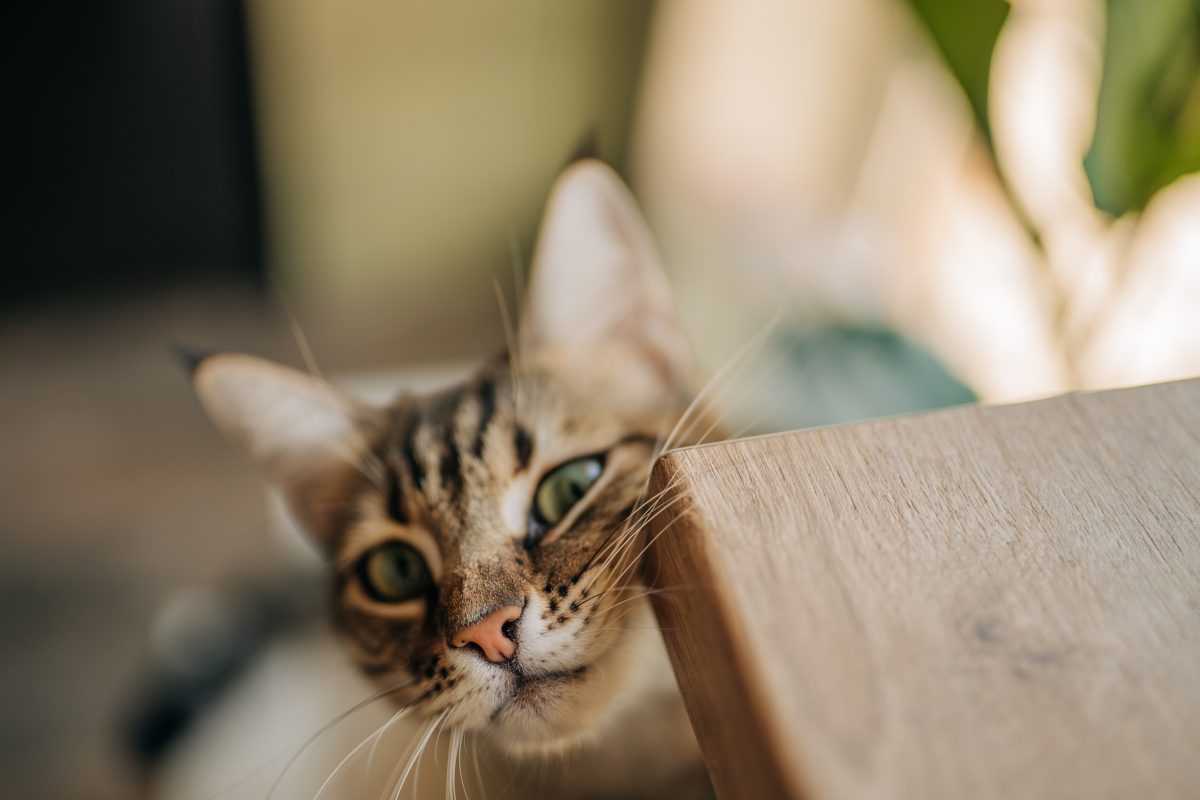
x,y
965,32
1148,117
848,372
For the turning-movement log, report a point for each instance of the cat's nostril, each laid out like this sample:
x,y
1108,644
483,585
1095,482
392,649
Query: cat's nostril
x,y
494,635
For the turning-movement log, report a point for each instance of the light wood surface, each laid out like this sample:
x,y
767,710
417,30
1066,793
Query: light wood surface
x,y
982,602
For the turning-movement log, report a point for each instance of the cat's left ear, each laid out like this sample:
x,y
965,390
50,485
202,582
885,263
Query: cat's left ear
x,y
597,283
306,436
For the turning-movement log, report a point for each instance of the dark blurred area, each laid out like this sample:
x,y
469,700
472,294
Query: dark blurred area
x,y
936,201
134,159
134,210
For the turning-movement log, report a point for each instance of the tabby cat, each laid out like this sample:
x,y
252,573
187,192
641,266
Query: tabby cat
x,y
484,542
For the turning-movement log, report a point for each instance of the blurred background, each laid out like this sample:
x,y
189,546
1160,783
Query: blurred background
x,y
936,201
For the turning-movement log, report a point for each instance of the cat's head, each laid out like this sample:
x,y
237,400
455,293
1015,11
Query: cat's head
x,y
484,541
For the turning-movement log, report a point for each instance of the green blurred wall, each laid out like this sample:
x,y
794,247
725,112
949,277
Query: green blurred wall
x,y
405,143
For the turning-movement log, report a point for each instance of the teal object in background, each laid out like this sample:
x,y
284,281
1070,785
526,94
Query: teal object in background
x,y
846,373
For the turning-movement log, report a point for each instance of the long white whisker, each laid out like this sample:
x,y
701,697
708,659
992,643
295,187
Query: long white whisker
x,y
356,454
634,521
723,382
629,537
659,440
353,449
452,764
416,756
514,358
742,431
613,620
639,596
475,760
342,764
363,457
382,731
404,756
306,351
746,387
518,272
377,696
358,447
701,397
653,539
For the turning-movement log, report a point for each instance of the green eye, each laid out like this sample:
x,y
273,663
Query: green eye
x,y
560,490
394,572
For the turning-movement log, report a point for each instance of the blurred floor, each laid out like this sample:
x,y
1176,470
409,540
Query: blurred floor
x,y
117,491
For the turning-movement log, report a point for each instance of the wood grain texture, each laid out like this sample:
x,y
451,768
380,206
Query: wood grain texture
x,y
982,602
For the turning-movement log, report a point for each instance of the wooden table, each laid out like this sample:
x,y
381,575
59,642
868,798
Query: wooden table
x,y
980,602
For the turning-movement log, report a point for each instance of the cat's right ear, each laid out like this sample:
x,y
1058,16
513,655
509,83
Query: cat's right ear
x,y
596,284
306,436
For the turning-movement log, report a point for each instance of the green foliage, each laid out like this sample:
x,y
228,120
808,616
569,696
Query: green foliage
x,y
965,32
1148,119
1148,116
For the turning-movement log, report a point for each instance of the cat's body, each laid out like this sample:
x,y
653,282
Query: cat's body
x,y
485,541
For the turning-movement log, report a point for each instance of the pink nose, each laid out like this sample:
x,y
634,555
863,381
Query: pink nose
x,y
489,635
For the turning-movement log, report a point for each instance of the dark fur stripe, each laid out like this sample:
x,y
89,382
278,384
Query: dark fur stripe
x,y
523,445
395,502
487,409
416,471
451,466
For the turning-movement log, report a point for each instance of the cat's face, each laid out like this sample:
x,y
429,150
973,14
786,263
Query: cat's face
x,y
484,541
497,502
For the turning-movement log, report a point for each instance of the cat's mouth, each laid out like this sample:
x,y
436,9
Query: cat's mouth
x,y
540,710
532,692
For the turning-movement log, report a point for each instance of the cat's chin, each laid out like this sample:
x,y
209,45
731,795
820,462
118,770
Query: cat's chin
x,y
548,714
